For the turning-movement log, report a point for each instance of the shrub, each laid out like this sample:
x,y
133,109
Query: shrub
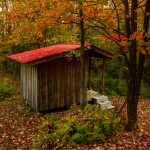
x,y
95,81
122,88
145,92
111,86
7,87
77,127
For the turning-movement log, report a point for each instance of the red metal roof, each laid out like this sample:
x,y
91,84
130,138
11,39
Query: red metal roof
x,y
36,54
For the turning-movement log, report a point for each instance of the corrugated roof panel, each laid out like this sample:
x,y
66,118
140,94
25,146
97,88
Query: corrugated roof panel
x,y
36,54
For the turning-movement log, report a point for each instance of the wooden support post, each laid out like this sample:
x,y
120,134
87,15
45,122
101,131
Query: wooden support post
x,y
103,76
89,73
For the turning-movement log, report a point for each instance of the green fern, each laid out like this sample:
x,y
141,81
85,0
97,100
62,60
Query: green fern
x,y
79,126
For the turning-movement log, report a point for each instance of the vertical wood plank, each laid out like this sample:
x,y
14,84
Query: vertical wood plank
x,y
53,84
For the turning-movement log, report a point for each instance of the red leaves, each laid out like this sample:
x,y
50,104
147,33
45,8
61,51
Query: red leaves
x,y
90,13
18,127
148,13
128,16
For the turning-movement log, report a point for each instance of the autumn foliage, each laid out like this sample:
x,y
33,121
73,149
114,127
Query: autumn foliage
x,y
124,23
20,126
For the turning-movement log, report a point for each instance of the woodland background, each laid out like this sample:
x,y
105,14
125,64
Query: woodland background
x,y
28,25
121,27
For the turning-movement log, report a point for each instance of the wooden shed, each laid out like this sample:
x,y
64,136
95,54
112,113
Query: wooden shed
x,y
49,78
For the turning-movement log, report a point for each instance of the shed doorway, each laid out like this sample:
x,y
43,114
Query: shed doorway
x,y
101,74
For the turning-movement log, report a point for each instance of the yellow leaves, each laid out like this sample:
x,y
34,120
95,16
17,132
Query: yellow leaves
x,y
147,35
111,24
44,125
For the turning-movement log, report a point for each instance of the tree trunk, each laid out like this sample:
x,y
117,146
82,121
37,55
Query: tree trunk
x,y
103,77
16,65
135,69
89,73
132,95
132,101
83,86
134,86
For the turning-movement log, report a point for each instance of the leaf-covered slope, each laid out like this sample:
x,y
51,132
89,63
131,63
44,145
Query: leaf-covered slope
x,y
19,125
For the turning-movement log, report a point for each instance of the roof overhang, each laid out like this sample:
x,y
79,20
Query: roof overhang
x,y
100,53
49,53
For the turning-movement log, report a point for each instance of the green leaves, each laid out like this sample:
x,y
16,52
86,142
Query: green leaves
x,y
79,126
7,88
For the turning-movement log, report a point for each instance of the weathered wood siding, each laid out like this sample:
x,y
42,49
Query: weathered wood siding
x,y
58,83
51,84
29,84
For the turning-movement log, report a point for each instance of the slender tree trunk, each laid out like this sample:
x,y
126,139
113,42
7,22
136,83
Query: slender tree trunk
x,y
89,73
16,65
132,102
134,86
103,77
132,96
83,86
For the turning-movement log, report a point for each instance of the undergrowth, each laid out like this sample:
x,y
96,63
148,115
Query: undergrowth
x,y
8,87
76,126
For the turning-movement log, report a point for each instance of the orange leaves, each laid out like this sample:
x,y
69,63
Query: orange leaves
x,y
91,13
123,43
146,50
137,36
26,28
103,38
117,37
97,11
143,51
68,19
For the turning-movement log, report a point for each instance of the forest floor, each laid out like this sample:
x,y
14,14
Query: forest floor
x,y
19,126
